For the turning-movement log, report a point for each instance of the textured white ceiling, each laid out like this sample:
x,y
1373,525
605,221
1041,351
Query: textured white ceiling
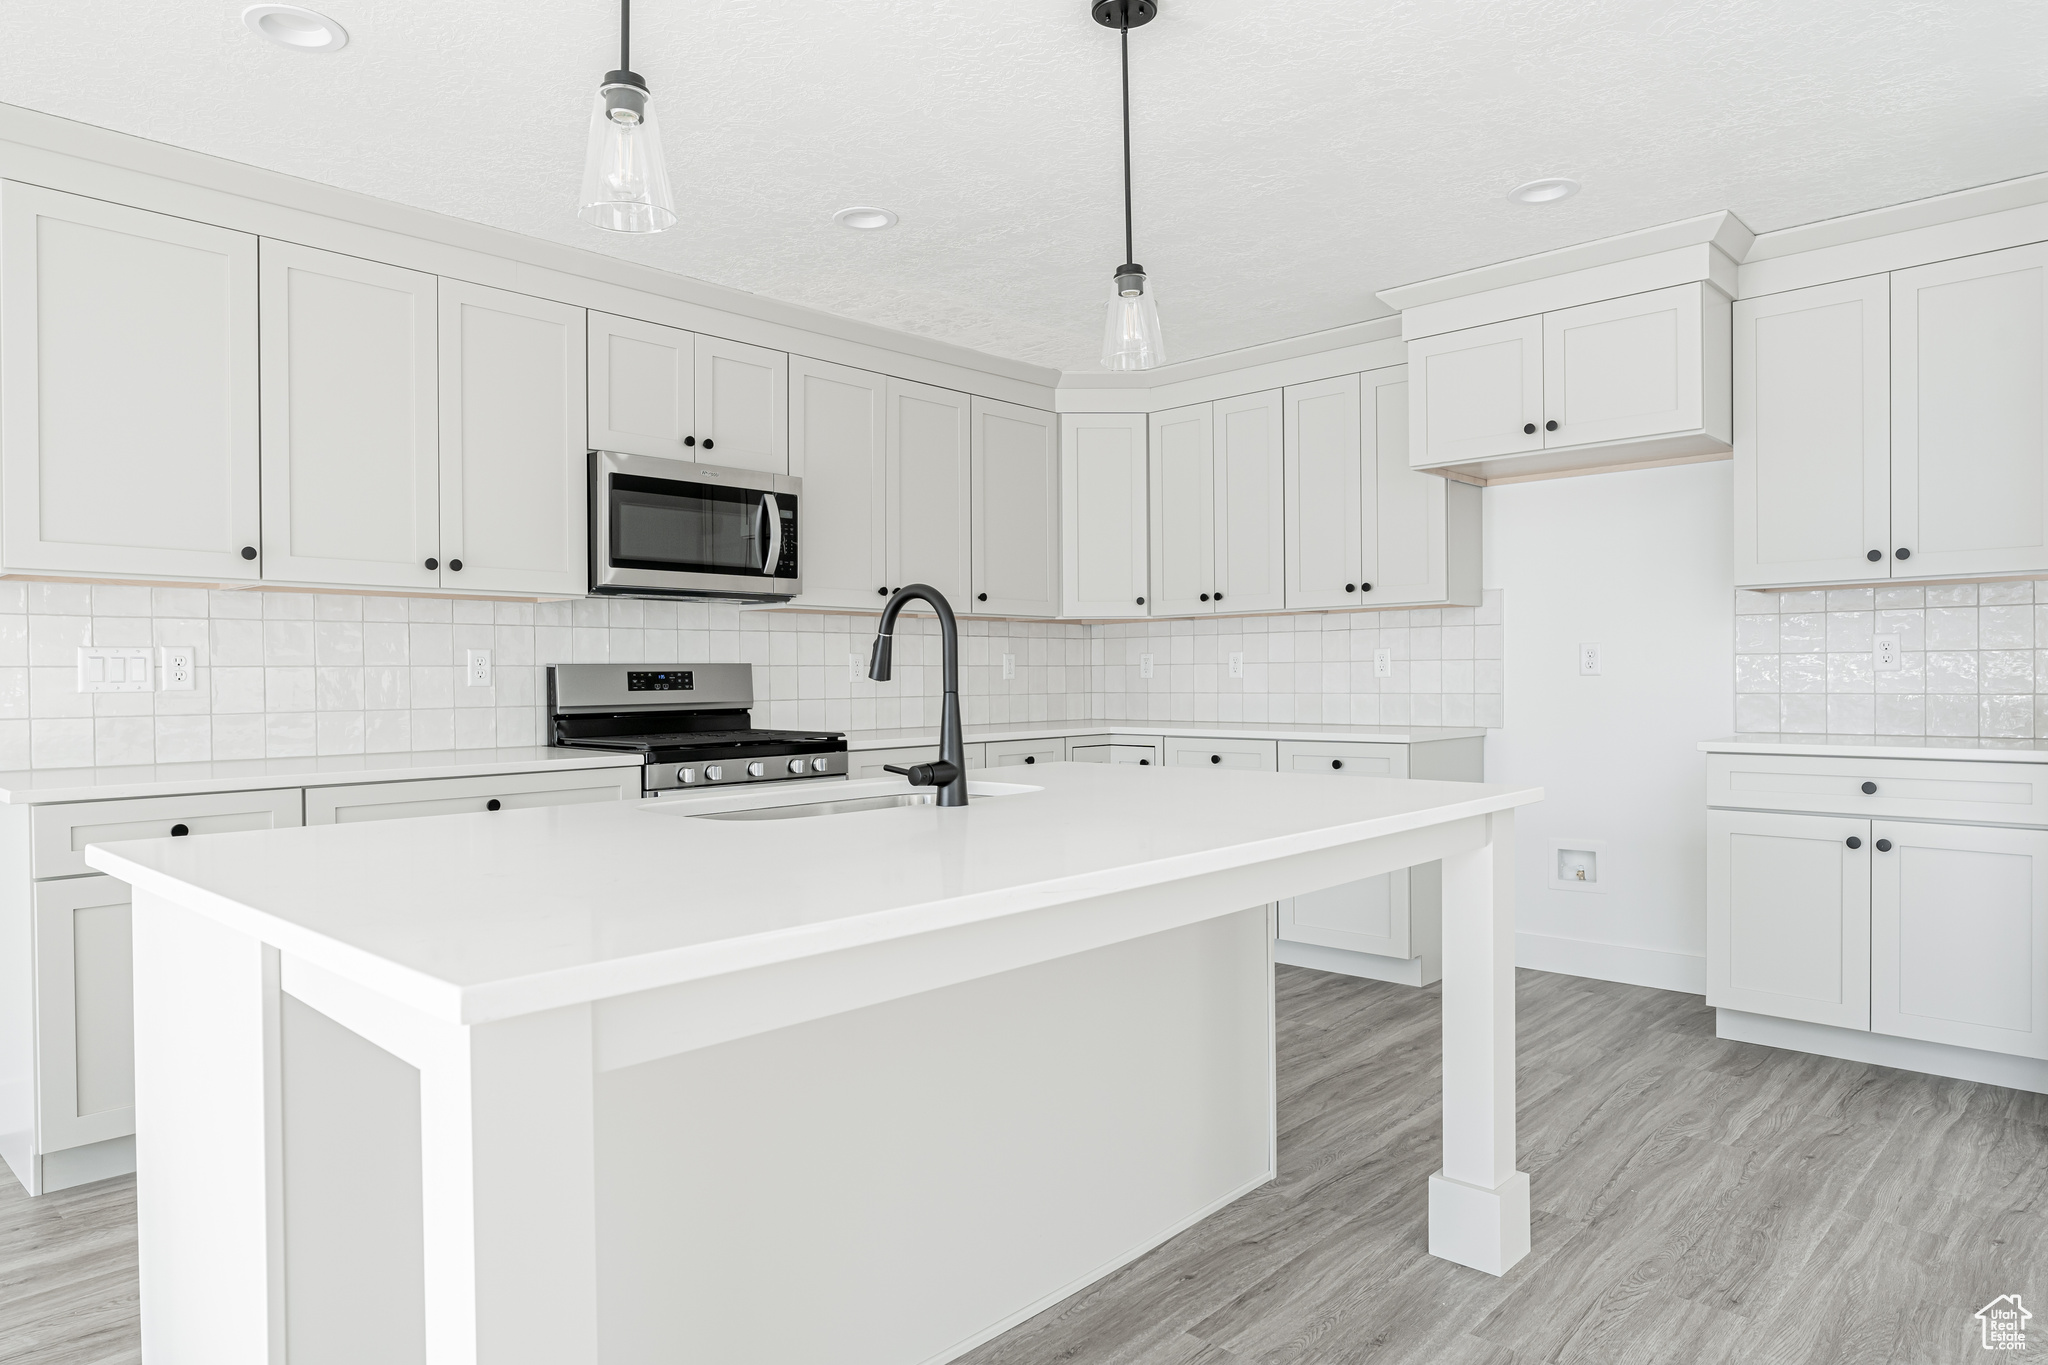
x,y
1292,158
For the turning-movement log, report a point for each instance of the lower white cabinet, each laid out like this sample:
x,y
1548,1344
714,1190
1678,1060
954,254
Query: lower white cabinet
x,y
85,1012
1007,753
872,763
1254,755
1098,749
462,795
1788,916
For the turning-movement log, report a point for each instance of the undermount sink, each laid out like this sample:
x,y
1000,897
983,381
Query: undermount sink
x,y
977,791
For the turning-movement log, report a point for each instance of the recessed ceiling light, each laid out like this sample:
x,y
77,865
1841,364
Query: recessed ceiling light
x,y
296,27
865,220
1543,191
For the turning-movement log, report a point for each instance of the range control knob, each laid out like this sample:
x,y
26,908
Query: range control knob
x,y
796,765
686,775
713,772
756,769
819,765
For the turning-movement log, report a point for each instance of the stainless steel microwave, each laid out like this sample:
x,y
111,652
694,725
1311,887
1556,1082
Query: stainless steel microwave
x,y
673,528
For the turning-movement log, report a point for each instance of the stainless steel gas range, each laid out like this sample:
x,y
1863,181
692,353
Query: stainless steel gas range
x,y
692,724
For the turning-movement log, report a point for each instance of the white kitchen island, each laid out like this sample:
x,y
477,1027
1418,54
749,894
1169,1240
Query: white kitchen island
x,y
631,1083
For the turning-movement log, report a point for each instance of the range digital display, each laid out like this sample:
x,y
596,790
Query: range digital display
x,y
668,680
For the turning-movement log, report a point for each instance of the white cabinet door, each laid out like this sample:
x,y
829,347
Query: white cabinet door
x,y
1249,505
1183,510
874,764
839,439
351,460
1478,392
85,1012
742,405
128,403
1016,483
468,795
1103,514
1622,368
641,378
1959,936
1325,507
929,515
1200,752
1011,753
1970,414
1370,916
1408,515
1104,751
1788,916
512,452
1813,445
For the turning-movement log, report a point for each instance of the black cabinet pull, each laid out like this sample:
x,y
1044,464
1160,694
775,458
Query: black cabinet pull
x,y
1215,758
1903,553
1336,762
1031,758
1874,556
1351,587
1205,597
433,563
248,552
180,831
1855,842
1528,428
1144,762
1870,789
981,597
707,443
493,804
1141,601
1884,845
1365,587
1219,597
456,565
1551,425
689,440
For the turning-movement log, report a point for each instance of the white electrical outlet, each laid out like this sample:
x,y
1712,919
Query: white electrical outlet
x,y
174,670
1383,663
478,671
113,670
1237,664
1888,660
856,667
1009,665
1144,665
1589,661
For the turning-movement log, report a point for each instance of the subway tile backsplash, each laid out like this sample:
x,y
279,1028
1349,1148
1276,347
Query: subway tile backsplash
x,y
288,674
1805,662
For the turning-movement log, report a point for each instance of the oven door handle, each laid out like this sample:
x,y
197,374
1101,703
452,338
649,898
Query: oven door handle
x,y
772,510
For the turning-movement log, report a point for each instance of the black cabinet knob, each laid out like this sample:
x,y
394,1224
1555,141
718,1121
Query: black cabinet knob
x,y
981,597
433,563
1351,587
1144,762
1365,587
707,443
1874,556
1528,428
1903,553
180,831
1884,845
689,440
1031,758
1854,842
248,552
1219,597
1336,763
881,592
493,804
1870,789
1551,425
456,565
1205,597
1141,601
1215,758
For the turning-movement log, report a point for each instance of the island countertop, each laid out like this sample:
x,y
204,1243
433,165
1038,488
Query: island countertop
x,y
471,918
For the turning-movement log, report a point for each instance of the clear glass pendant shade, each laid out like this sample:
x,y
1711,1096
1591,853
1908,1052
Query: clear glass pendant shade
x,y
1131,337
625,179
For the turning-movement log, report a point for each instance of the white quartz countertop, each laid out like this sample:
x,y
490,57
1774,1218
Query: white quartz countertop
x,y
478,917
984,734
1985,750
46,786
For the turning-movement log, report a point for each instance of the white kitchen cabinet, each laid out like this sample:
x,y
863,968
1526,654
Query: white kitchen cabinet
x,y
1015,477
742,405
1369,916
1622,369
1009,753
1959,935
1183,522
343,805
351,461
1325,494
839,441
1218,525
85,1013
641,379
1813,445
1103,514
60,832
513,427
1788,916
875,763
1478,392
129,437
1100,750
1199,751
929,512
1969,466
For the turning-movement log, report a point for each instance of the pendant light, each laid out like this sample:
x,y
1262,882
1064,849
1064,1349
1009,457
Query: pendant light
x,y
625,180
1131,338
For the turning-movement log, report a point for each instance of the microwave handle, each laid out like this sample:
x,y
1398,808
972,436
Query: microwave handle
x,y
772,510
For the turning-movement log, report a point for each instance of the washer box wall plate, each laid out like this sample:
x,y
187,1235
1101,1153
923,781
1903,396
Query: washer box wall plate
x,y
1571,857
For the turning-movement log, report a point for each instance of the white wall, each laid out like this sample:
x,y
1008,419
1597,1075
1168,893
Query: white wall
x,y
1640,563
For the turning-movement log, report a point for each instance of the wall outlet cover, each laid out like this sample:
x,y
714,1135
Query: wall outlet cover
x,y
114,670
1589,661
1237,664
1383,663
477,669
1009,665
175,668
1887,654
1144,665
1578,864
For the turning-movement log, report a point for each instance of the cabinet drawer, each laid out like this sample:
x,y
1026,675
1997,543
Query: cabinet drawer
x,y
1106,751
60,833
870,763
460,795
1254,754
1908,788
1344,759
1009,752
1371,916
85,1012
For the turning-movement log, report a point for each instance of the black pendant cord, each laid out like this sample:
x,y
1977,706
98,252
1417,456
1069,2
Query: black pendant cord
x,y
1124,32
625,35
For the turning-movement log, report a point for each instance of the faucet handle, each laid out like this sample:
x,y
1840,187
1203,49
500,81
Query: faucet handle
x,y
934,774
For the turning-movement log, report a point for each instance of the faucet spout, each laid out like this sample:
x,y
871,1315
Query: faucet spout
x,y
949,774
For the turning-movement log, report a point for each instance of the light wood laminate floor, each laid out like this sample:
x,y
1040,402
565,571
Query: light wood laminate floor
x,y
1697,1201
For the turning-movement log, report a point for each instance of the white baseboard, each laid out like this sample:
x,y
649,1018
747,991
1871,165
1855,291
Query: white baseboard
x,y
1613,962
1347,962
70,1166
1878,1049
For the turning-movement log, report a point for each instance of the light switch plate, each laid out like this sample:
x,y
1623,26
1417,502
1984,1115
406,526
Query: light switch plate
x,y
174,668
113,670
477,672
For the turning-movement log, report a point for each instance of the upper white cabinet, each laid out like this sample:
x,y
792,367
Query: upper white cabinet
x,y
128,391
351,489
512,432
1365,529
1015,477
658,390
1103,514
929,516
1218,536
838,445
1642,377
